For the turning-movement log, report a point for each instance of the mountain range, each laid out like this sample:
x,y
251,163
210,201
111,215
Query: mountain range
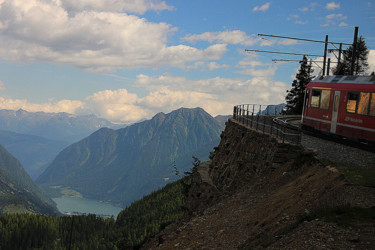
x,y
18,193
54,126
35,138
34,152
123,165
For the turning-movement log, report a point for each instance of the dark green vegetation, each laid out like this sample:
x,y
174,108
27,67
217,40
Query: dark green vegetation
x,y
18,193
133,226
294,98
146,217
34,152
354,174
344,215
31,231
361,56
54,126
123,165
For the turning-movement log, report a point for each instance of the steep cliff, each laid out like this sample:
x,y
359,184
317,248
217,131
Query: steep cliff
x,y
257,192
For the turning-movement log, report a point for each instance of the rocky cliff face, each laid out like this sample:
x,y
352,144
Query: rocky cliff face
x,y
257,192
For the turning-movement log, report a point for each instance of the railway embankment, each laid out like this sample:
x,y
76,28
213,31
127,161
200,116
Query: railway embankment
x,y
257,192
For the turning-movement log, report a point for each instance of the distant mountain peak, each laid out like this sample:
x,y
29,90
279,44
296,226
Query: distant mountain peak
x,y
125,164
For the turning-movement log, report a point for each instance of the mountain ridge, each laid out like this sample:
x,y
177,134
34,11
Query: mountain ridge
x,y
137,159
34,152
18,193
56,126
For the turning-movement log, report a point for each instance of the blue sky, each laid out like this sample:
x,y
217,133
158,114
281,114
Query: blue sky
x,y
126,60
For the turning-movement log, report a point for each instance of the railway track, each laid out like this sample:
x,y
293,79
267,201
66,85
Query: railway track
x,y
293,123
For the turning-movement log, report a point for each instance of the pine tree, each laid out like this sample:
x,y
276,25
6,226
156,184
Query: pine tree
x,y
361,64
294,98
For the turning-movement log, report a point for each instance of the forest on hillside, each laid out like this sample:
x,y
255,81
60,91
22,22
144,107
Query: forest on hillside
x,y
134,225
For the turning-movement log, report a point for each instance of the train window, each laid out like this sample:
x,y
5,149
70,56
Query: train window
x,y
363,103
372,105
351,105
324,103
320,98
315,98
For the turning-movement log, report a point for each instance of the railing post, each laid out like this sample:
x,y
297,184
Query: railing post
x,y
252,118
264,123
277,130
247,117
248,112
244,114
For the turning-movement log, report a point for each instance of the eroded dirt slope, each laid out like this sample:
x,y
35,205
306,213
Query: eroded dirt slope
x,y
268,195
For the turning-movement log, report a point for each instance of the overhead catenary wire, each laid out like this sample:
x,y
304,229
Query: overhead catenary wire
x,y
289,60
285,53
303,39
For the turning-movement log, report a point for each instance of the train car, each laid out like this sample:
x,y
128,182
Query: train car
x,y
341,105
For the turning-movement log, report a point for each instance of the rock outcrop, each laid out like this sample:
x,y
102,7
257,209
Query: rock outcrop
x,y
257,192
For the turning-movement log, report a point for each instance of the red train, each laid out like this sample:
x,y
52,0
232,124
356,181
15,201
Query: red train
x,y
341,105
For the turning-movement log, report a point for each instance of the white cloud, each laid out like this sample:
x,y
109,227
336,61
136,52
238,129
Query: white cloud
x,y
165,93
296,18
336,16
371,61
332,6
264,7
300,22
133,6
91,40
343,24
226,37
335,19
68,106
311,7
206,66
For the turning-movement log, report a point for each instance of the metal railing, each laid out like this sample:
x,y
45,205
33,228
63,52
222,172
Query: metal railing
x,y
266,119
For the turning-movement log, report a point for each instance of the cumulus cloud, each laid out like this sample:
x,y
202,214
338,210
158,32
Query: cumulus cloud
x,y
133,6
332,6
371,61
311,7
225,37
264,7
165,93
336,16
92,40
68,106
252,67
218,90
206,66
335,19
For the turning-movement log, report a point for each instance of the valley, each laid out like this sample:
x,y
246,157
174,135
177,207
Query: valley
x,y
115,166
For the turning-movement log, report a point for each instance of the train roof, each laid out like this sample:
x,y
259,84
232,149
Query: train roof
x,y
345,79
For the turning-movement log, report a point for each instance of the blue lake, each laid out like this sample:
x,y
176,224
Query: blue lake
x,y
85,206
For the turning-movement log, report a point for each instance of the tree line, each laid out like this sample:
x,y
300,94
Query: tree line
x,y
294,97
134,225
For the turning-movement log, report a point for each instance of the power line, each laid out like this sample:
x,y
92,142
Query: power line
x,y
303,39
276,52
288,60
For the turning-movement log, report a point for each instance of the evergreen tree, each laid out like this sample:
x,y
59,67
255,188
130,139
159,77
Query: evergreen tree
x,y
294,98
361,55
